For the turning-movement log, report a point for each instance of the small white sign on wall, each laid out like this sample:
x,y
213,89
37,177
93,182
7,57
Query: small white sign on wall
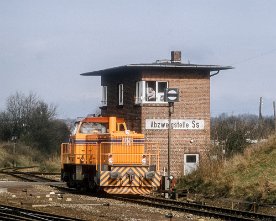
x,y
176,124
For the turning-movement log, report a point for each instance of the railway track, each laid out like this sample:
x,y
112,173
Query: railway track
x,y
28,176
197,209
18,214
193,208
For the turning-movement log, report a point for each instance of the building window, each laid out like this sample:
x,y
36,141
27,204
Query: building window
x,y
139,92
150,91
121,94
191,162
104,95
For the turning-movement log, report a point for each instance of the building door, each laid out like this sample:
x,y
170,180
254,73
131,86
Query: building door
x,y
190,163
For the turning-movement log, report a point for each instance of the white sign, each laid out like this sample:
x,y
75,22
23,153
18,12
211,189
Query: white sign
x,y
176,124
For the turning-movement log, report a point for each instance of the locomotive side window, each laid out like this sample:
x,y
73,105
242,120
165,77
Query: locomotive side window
x,y
74,129
121,126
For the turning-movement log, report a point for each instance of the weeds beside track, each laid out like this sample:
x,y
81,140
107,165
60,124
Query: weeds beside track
x,y
197,209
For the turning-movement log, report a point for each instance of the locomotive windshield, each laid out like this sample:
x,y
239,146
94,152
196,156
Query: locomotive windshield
x,y
92,128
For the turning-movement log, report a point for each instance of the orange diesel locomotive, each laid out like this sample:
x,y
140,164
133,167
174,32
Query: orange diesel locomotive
x,y
103,154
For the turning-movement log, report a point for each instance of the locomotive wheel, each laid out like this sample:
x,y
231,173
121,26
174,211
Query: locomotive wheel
x,y
100,192
71,184
92,186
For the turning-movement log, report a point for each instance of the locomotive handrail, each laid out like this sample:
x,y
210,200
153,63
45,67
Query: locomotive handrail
x,y
130,154
67,153
99,157
148,148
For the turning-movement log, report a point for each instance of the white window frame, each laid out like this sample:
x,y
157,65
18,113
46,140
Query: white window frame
x,y
160,96
141,92
104,96
121,94
190,166
140,95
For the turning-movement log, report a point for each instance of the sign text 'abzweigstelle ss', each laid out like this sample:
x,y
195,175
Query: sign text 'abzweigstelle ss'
x,y
176,124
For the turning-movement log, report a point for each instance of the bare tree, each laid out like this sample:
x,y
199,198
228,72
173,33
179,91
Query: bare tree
x,y
32,121
234,133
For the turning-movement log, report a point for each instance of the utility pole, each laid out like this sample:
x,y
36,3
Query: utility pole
x,y
171,95
13,151
274,111
261,117
171,106
260,109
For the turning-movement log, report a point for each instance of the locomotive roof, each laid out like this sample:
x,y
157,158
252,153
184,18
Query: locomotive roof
x,y
99,120
157,66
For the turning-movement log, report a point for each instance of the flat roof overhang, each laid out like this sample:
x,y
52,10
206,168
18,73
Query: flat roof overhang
x,y
156,66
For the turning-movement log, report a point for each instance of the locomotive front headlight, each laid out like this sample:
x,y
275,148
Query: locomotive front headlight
x,y
110,159
144,159
114,175
149,175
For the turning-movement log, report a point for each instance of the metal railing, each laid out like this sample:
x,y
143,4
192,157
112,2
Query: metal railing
x,y
127,153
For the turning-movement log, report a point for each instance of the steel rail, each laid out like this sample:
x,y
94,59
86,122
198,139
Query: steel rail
x,y
16,168
197,209
15,213
193,208
11,217
26,176
38,173
214,208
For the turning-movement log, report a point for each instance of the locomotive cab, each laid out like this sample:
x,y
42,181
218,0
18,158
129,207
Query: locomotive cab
x,y
102,153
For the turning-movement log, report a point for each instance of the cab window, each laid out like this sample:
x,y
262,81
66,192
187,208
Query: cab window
x,y
92,128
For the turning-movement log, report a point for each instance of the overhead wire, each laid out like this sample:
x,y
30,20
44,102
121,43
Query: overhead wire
x,y
255,57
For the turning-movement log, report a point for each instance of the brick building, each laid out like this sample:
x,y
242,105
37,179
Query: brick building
x,y
136,93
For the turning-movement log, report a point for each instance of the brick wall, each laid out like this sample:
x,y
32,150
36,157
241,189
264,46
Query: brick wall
x,y
194,103
130,112
194,88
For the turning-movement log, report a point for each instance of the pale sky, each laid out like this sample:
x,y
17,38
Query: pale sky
x,y
46,45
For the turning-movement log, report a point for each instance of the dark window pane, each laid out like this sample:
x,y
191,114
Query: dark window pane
x,y
191,159
161,86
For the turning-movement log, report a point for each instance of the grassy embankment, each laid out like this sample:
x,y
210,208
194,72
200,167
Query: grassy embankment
x,y
27,156
249,176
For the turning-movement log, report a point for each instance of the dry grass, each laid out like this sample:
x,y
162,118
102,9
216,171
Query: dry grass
x,y
254,173
249,176
52,164
27,156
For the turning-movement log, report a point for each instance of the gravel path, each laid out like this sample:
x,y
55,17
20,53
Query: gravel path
x,y
48,199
